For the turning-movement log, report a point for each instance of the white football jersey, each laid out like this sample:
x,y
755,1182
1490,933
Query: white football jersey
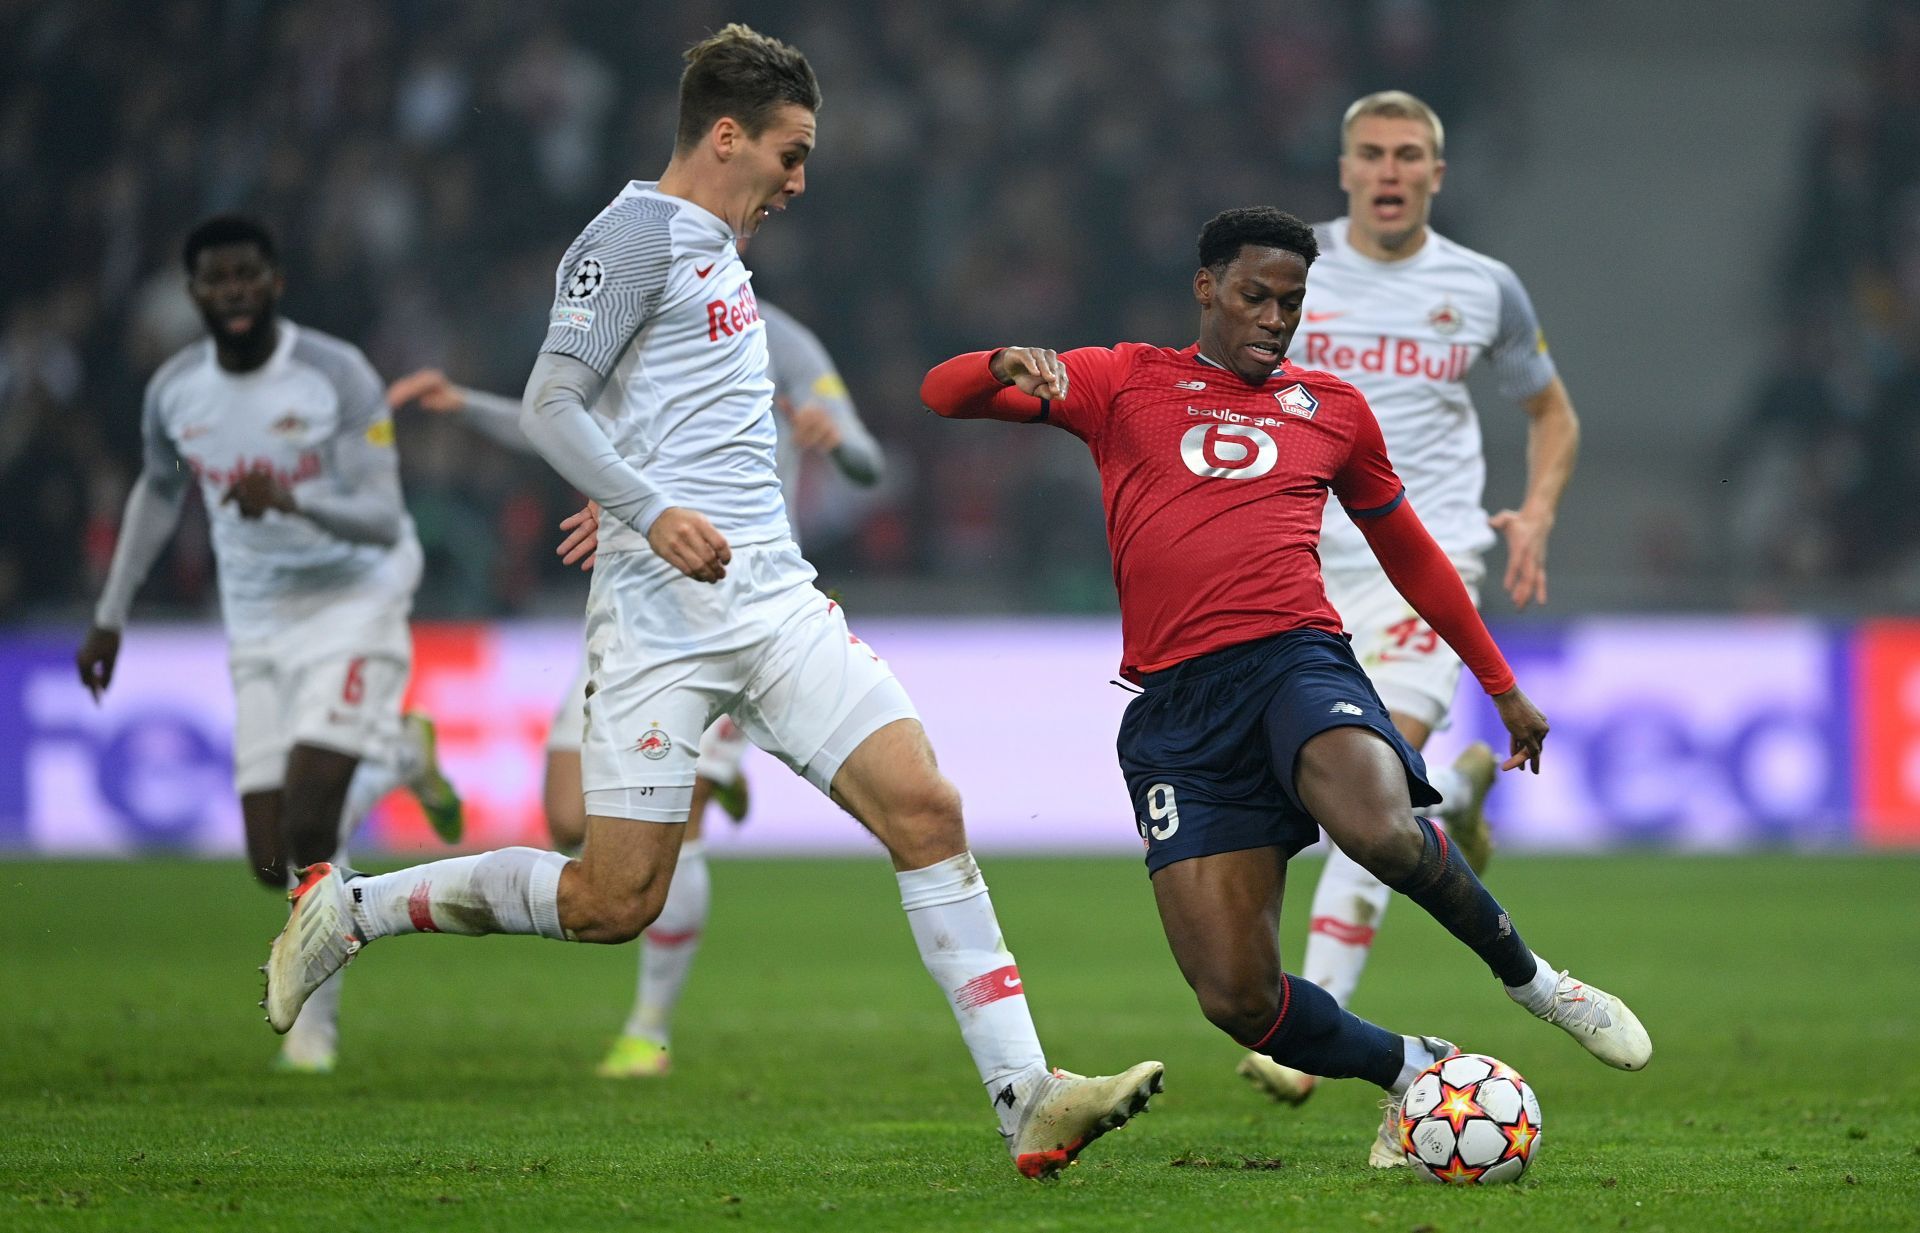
x,y
1405,333
654,297
289,416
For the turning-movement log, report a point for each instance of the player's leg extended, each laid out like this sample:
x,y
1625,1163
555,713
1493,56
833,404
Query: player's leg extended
x,y
1355,784
891,784
1221,914
667,950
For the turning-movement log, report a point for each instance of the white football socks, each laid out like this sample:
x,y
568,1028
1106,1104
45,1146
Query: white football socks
x,y
1348,905
513,890
1416,1057
1537,994
1453,789
959,938
668,946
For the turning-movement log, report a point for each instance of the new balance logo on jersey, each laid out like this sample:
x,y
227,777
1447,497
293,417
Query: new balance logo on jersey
x,y
1189,385
732,318
1344,708
1403,357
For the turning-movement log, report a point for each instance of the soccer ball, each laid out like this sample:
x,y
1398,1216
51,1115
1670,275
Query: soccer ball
x,y
1469,1120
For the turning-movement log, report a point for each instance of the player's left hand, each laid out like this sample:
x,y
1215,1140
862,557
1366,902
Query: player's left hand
x,y
1526,534
429,387
258,491
814,429
1526,727
583,537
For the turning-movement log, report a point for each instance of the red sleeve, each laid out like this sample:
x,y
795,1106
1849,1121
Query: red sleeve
x,y
1366,483
964,388
1423,574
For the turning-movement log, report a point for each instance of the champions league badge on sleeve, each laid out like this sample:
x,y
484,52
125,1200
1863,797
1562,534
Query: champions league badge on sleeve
x,y
1295,400
584,282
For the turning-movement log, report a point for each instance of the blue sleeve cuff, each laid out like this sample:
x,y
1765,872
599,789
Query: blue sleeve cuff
x,y
1378,511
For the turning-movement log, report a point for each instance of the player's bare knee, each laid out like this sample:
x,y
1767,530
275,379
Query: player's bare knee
x,y
926,825
1387,845
1243,1013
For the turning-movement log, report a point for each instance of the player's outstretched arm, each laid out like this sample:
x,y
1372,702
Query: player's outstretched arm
x,y
1421,572
494,416
995,385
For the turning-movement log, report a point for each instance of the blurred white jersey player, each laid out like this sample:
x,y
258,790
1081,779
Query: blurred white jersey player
x,y
286,433
1404,314
651,395
816,416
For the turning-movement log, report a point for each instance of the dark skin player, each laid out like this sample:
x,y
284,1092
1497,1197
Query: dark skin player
x,y
237,289
1221,913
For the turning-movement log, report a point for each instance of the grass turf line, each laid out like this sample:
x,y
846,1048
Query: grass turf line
x,y
820,1084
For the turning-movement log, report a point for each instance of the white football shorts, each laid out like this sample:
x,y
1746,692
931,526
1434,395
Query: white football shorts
x,y
335,679
722,745
1414,671
668,656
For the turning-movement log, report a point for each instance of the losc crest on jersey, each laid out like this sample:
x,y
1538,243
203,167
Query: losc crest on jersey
x,y
1295,400
583,283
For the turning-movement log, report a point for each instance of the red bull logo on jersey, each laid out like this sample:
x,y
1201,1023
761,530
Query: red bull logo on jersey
x,y
732,315
655,745
308,467
1401,357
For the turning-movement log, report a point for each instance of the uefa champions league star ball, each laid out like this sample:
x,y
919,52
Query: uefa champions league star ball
x,y
1469,1120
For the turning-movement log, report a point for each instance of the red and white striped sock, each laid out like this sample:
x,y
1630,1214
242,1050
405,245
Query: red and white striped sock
x,y
1348,905
669,944
959,938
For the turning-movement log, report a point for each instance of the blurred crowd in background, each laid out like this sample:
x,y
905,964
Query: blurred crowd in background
x,y
1827,456
989,172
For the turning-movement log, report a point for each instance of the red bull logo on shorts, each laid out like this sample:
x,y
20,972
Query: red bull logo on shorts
x,y
656,744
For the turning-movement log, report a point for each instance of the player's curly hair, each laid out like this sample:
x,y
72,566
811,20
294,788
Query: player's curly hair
x,y
1227,232
228,229
742,73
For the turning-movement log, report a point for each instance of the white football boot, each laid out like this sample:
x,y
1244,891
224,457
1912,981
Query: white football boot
x,y
317,942
1065,1112
1283,1083
1598,1020
1390,1147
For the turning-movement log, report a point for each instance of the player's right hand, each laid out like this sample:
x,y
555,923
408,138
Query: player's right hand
x,y
684,539
429,387
1032,370
96,659
1526,728
582,543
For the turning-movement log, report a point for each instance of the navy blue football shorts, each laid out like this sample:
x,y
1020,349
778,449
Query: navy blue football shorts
x,y
1208,750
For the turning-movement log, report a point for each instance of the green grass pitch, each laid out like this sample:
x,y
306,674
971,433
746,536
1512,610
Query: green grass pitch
x,y
820,1083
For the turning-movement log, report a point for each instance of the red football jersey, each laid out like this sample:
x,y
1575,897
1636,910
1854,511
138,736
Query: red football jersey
x,y
1214,490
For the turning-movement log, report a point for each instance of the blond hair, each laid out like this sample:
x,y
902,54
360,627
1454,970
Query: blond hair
x,y
1397,105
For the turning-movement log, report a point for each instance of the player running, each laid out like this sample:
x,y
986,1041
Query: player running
x,y
1404,313
816,416
651,396
1256,726
286,432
